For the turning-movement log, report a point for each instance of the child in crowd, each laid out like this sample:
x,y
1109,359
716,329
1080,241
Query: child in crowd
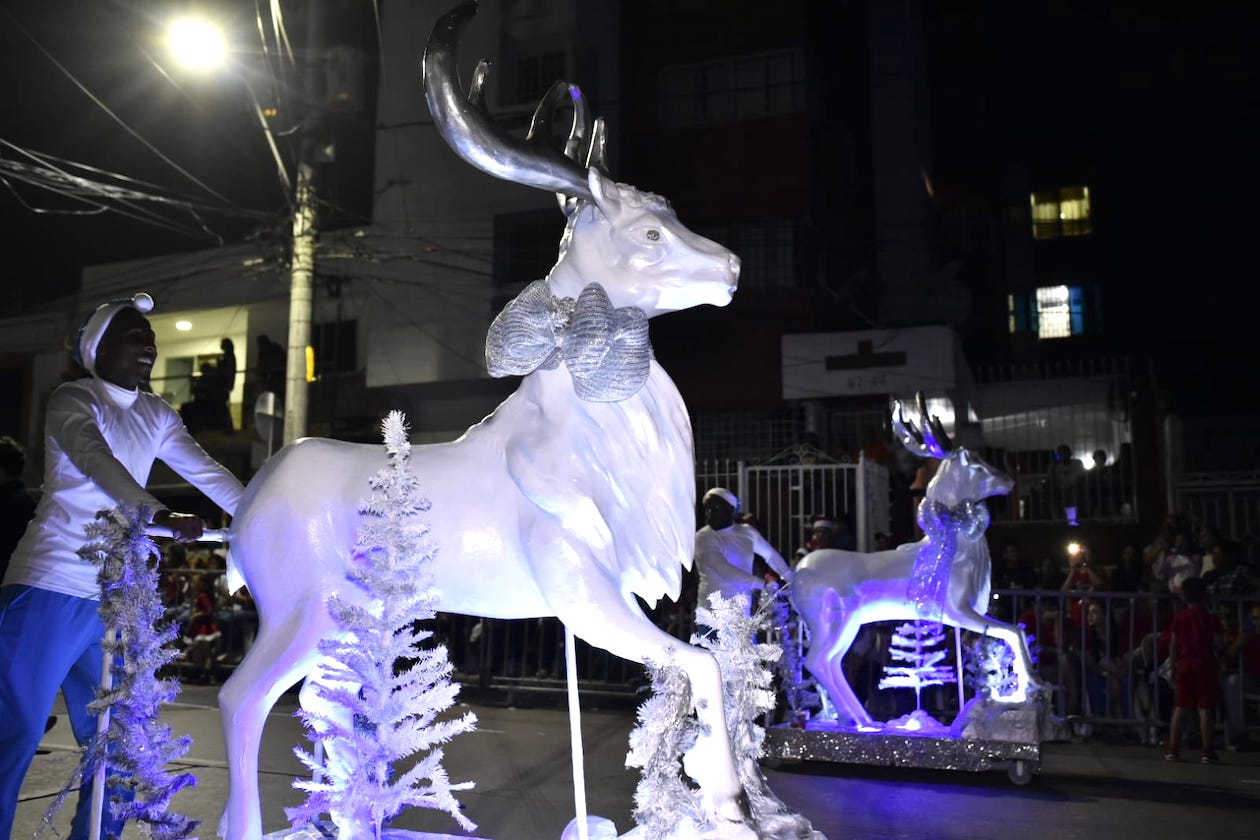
x,y
1195,642
203,630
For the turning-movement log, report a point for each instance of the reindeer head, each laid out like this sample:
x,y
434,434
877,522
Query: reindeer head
x,y
963,475
628,241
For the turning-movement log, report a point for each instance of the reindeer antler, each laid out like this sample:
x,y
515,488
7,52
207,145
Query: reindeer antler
x,y
932,442
468,129
577,148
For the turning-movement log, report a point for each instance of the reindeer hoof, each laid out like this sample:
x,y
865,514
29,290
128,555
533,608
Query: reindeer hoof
x,y
597,828
730,831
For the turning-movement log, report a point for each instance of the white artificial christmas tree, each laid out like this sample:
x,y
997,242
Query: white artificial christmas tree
x,y
989,665
748,695
666,729
921,645
372,717
801,694
136,744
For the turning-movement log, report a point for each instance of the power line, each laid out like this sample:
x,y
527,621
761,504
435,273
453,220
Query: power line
x,y
282,35
136,214
25,32
61,177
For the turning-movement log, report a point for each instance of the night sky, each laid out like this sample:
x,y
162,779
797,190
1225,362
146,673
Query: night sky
x,y
205,125
1158,105
1161,98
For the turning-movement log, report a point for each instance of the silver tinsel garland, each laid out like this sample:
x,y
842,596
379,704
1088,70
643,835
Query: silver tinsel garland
x,y
136,744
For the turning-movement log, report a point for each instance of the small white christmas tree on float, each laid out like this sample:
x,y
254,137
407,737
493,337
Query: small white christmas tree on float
x,y
374,717
801,694
921,645
990,715
989,666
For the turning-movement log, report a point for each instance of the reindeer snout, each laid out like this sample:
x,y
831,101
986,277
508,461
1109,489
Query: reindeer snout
x,y
1003,484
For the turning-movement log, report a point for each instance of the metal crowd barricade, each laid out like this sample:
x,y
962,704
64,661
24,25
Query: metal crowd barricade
x,y
1127,696
1117,683
527,656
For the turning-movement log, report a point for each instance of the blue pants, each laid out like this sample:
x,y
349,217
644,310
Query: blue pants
x,y
48,641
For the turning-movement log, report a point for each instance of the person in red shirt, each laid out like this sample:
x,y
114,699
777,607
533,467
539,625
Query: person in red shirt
x,y
1195,640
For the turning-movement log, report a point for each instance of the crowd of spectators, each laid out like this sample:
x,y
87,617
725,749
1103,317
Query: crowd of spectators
x,y
1104,626
215,626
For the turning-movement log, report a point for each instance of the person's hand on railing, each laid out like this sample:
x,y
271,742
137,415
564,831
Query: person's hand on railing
x,y
185,527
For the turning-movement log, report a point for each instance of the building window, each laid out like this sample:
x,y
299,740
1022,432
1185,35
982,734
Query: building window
x,y
1061,212
749,435
1055,312
1060,311
534,75
336,347
740,88
1017,313
526,246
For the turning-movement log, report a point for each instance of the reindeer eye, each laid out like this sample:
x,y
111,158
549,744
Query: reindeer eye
x,y
653,234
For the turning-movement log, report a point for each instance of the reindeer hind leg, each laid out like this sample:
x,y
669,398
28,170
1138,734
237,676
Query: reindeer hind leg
x,y
825,660
282,653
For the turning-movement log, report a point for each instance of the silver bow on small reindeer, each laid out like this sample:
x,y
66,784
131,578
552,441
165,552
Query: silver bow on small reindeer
x,y
606,350
943,525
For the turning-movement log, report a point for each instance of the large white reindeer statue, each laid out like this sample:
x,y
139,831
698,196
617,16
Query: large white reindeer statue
x,y
574,496
944,576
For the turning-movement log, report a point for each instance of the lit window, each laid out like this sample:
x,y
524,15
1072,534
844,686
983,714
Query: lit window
x,y
1061,212
1060,311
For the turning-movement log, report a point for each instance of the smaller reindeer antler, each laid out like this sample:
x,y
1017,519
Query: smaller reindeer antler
x,y
932,442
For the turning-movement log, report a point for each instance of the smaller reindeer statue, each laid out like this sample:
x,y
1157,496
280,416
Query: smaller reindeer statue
x,y
943,577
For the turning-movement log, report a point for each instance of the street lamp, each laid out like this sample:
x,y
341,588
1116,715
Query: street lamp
x,y
197,43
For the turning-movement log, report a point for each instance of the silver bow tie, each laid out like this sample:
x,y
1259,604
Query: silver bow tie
x,y
606,350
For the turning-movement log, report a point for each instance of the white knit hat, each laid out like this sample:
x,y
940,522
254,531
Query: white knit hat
x,y
95,325
723,493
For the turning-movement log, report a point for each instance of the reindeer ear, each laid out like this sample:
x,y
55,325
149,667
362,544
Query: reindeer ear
x,y
604,190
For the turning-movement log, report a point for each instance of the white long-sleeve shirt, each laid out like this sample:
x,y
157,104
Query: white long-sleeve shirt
x,y
725,561
100,444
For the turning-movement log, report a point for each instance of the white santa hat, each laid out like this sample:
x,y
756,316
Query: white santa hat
x,y
722,493
95,325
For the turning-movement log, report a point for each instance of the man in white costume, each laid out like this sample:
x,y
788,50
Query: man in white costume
x,y
102,434
726,551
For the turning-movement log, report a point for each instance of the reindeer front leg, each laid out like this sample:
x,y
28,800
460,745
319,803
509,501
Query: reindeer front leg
x,y
969,619
597,609
710,762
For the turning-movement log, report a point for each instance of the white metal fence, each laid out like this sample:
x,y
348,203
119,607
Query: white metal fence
x,y
1228,501
784,499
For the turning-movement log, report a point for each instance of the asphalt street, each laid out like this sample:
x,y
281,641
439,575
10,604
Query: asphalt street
x,y
519,759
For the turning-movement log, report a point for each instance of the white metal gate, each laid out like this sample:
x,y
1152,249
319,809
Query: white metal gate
x,y
785,498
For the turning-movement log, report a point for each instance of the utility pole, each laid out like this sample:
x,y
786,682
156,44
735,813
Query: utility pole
x,y
301,302
305,234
